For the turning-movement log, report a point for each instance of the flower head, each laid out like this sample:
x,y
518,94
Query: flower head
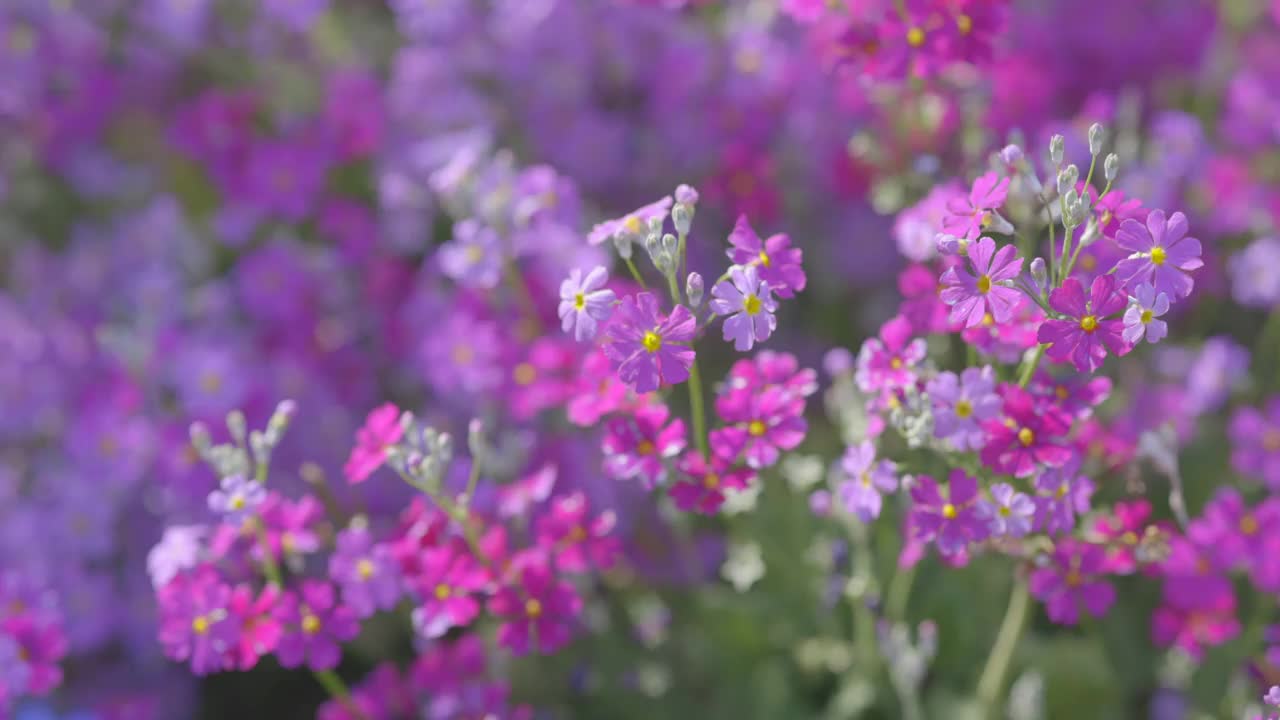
x,y
634,223
962,403
446,582
1026,437
888,362
367,573
865,480
701,485
577,541
1085,334
382,429
1162,254
968,217
777,263
749,305
1140,319
637,446
972,297
1009,514
585,302
314,626
196,624
1071,581
760,429
473,258
237,498
951,522
648,348
1255,442
536,609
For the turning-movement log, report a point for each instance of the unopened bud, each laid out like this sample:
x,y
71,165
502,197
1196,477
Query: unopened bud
x,y
1039,273
670,245
200,439
475,438
1111,167
237,426
687,195
1095,139
1057,148
682,218
1067,179
693,289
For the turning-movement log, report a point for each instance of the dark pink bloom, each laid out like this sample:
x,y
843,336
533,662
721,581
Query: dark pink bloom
x,y
290,525
544,379
953,522
520,497
758,430
973,297
777,262
650,349
1190,579
447,580
538,611
196,623
1073,394
259,630
1194,629
637,445
968,217
701,486
768,369
1026,437
1071,581
888,362
42,644
1121,531
314,627
1085,334
577,542
382,429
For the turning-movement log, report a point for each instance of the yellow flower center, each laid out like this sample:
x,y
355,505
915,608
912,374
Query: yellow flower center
x,y
964,409
525,374
896,363
443,592
1106,217
1062,392
1026,437
475,254
751,305
1089,323
764,258
711,481
364,569
1146,316
651,341
463,354
632,224
237,502
644,447
579,301
200,625
988,320
984,284
1005,511
1249,524
742,184
533,608
577,534
756,428
964,24
1271,440
915,37
1061,492
949,511
865,477
210,382
1074,579
1158,255
1129,538
310,624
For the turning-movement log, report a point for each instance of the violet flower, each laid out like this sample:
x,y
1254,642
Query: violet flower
x,y
972,297
749,305
961,404
1140,318
585,302
1163,255
1085,335
650,349
860,492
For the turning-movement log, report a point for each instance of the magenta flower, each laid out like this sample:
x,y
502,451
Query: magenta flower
x,y
577,542
1085,334
196,624
1236,536
1140,318
778,263
42,644
1194,629
1025,438
1190,579
237,498
1121,531
382,429
1009,514
367,573
637,446
701,485
888,362
968,217
961,404
1062,493
973,297
635,223
1162,254
314,627
953,522
647,348
1075,395
767,369
865,480
447,580
585,302
1071,581
259,630
1255,442
759,430
538,611
749,305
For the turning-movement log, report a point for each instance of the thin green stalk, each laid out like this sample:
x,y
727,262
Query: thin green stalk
x,y
269,567
995,673
337,689
900,593
1029,367
635,273
697,410
864,623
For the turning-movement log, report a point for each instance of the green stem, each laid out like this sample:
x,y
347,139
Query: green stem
x,y
864,622
900,593
635,273
992,681
269,567
337,689
697,410
1029,367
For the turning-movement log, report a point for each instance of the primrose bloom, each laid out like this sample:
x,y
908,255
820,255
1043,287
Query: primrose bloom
x,y
314,625
1085,334
538,608
951,522
237,498
749,306
634,223
967,217
637,445
381,430
777,262
1140,319
1163,255
866,479
973,297
585,302
650,349
1071,581
962,403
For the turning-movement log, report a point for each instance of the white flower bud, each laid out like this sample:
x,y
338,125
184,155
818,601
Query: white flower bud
x,y
1067,179
1095,139
682,219
1039,273
622,243
693,289
1057,147
1111,167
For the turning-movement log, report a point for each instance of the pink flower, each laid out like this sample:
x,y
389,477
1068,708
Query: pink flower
x,y
888,362
1026,437
382,430
637,446
314,627
778,264
1071,581
259,630
972,297
759,430
577,542
702,485
1085,334
537,610
968,217
448,578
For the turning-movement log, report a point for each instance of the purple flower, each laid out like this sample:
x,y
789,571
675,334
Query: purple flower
x,y
638,446
1162,254
866,479
1009,513
961,404
779,264
448,580
647,348
539,608
585,302
367,573
888,362
1070,581
634,223
1254,280
473,258
195,623
749,304
1255,442
968,217
1085,334
952,522
972,297
1062,493
759,428
1026,437
1140,319
236,498
314,627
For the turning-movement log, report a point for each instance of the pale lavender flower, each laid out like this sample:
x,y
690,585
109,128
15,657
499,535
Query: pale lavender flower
x,y
473,257
1009,512
633,223
1163,255
585,302
866,480
236,498
962,403
1254,280
1140,318
749,303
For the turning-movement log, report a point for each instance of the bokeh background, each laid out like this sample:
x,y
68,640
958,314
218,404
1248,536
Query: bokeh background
x,y
215,204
